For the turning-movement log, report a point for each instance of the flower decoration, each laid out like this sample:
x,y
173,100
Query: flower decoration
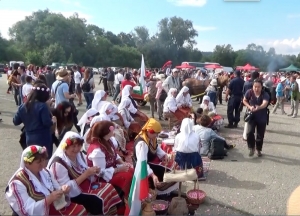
x,y
111,128
33,150
34,88
59,106
38,88
68,142
42,89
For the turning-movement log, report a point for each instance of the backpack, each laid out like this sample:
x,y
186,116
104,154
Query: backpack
x,y
216,149
163,95
86,86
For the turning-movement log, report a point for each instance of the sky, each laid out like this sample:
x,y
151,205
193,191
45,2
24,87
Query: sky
x,y
269,23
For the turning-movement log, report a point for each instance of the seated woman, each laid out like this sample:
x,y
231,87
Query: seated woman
x,y
68,167
102,153
136,114
129,123
206,134
99,98
183,99
210,110
86,119
146,143
33,191
170,107
187,147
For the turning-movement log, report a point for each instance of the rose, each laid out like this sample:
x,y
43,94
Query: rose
x,y
68,142
33,149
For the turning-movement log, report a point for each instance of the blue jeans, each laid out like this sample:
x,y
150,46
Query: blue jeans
x,y
89,96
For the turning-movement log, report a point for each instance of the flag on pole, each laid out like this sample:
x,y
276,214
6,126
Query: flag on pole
x,y
139,186
142,76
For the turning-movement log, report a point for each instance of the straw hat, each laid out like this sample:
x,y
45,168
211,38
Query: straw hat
x,y
282,79
61,74
160,76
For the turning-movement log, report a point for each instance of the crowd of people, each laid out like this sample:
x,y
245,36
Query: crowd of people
x,y
85,174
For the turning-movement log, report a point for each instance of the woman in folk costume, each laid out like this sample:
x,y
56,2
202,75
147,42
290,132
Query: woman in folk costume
x,y
187,146
99,98
170,107
183,99
86,119
210,110
157,159
133,109
129,123
69,167
33,191
102,153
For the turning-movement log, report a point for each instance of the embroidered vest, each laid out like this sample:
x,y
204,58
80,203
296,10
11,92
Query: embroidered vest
x,y
151,151
23,177
109,157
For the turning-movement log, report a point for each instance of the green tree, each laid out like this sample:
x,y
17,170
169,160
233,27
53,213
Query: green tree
x,y
53,53
33,57
224,55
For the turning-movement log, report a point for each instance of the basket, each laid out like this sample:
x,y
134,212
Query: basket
x,y
163,207
196,196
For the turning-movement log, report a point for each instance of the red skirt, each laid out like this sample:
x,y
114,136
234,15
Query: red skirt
x,y
122,180
182,113
72,209
106,192
135,127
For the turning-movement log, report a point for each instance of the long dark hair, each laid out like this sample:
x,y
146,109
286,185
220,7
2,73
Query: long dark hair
x,y
59,113
39,93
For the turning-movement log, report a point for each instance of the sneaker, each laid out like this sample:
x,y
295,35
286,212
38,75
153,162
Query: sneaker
x,y
251,153
294,116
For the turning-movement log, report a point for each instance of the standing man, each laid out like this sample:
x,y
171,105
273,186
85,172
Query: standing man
x,y
295,96
110,81
77,79
235,91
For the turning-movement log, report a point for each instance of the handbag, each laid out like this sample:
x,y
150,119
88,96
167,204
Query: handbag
x,y
248,115
180,175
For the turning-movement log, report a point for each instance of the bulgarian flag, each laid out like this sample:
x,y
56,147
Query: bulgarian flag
x,y
139,187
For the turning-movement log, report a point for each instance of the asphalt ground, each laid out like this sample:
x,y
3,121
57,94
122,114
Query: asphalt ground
x,y
237,185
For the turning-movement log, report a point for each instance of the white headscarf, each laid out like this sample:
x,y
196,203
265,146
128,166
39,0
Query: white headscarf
x,y
102,111
126,91
124,103
171,90
60,152
180,94
206,97
45,177
211,106
186,129
97,99
83,120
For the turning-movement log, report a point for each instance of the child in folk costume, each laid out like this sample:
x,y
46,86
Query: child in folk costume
x,y
183,99
212,91
33,191
69,167
187,146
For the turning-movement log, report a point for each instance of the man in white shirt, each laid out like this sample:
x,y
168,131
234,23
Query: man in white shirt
x,y
172,81
77,79
118,79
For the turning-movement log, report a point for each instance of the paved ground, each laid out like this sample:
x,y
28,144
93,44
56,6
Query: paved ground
x,y
237,185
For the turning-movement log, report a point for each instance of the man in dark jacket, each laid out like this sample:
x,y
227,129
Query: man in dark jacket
x,y
50,76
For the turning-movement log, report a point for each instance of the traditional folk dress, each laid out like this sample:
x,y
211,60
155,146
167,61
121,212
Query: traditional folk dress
x,y
96,197
98,155
26,194
210,110
182,100
154,157
187,147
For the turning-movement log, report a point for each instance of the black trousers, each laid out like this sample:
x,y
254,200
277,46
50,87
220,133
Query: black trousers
x,y
260,133
91,203
233,112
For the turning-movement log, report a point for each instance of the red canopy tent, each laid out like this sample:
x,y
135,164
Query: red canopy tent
x,y
182,66
246,67
213,66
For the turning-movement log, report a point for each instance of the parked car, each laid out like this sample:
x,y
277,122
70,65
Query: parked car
x,y
95,71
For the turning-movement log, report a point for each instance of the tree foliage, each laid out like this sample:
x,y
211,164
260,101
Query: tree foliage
x,y
45,37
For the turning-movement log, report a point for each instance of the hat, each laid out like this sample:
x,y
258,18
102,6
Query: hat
x,y
213,82
174,70
282,79
268,84
61,74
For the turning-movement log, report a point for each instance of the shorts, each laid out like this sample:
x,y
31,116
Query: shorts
x,y
78,89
